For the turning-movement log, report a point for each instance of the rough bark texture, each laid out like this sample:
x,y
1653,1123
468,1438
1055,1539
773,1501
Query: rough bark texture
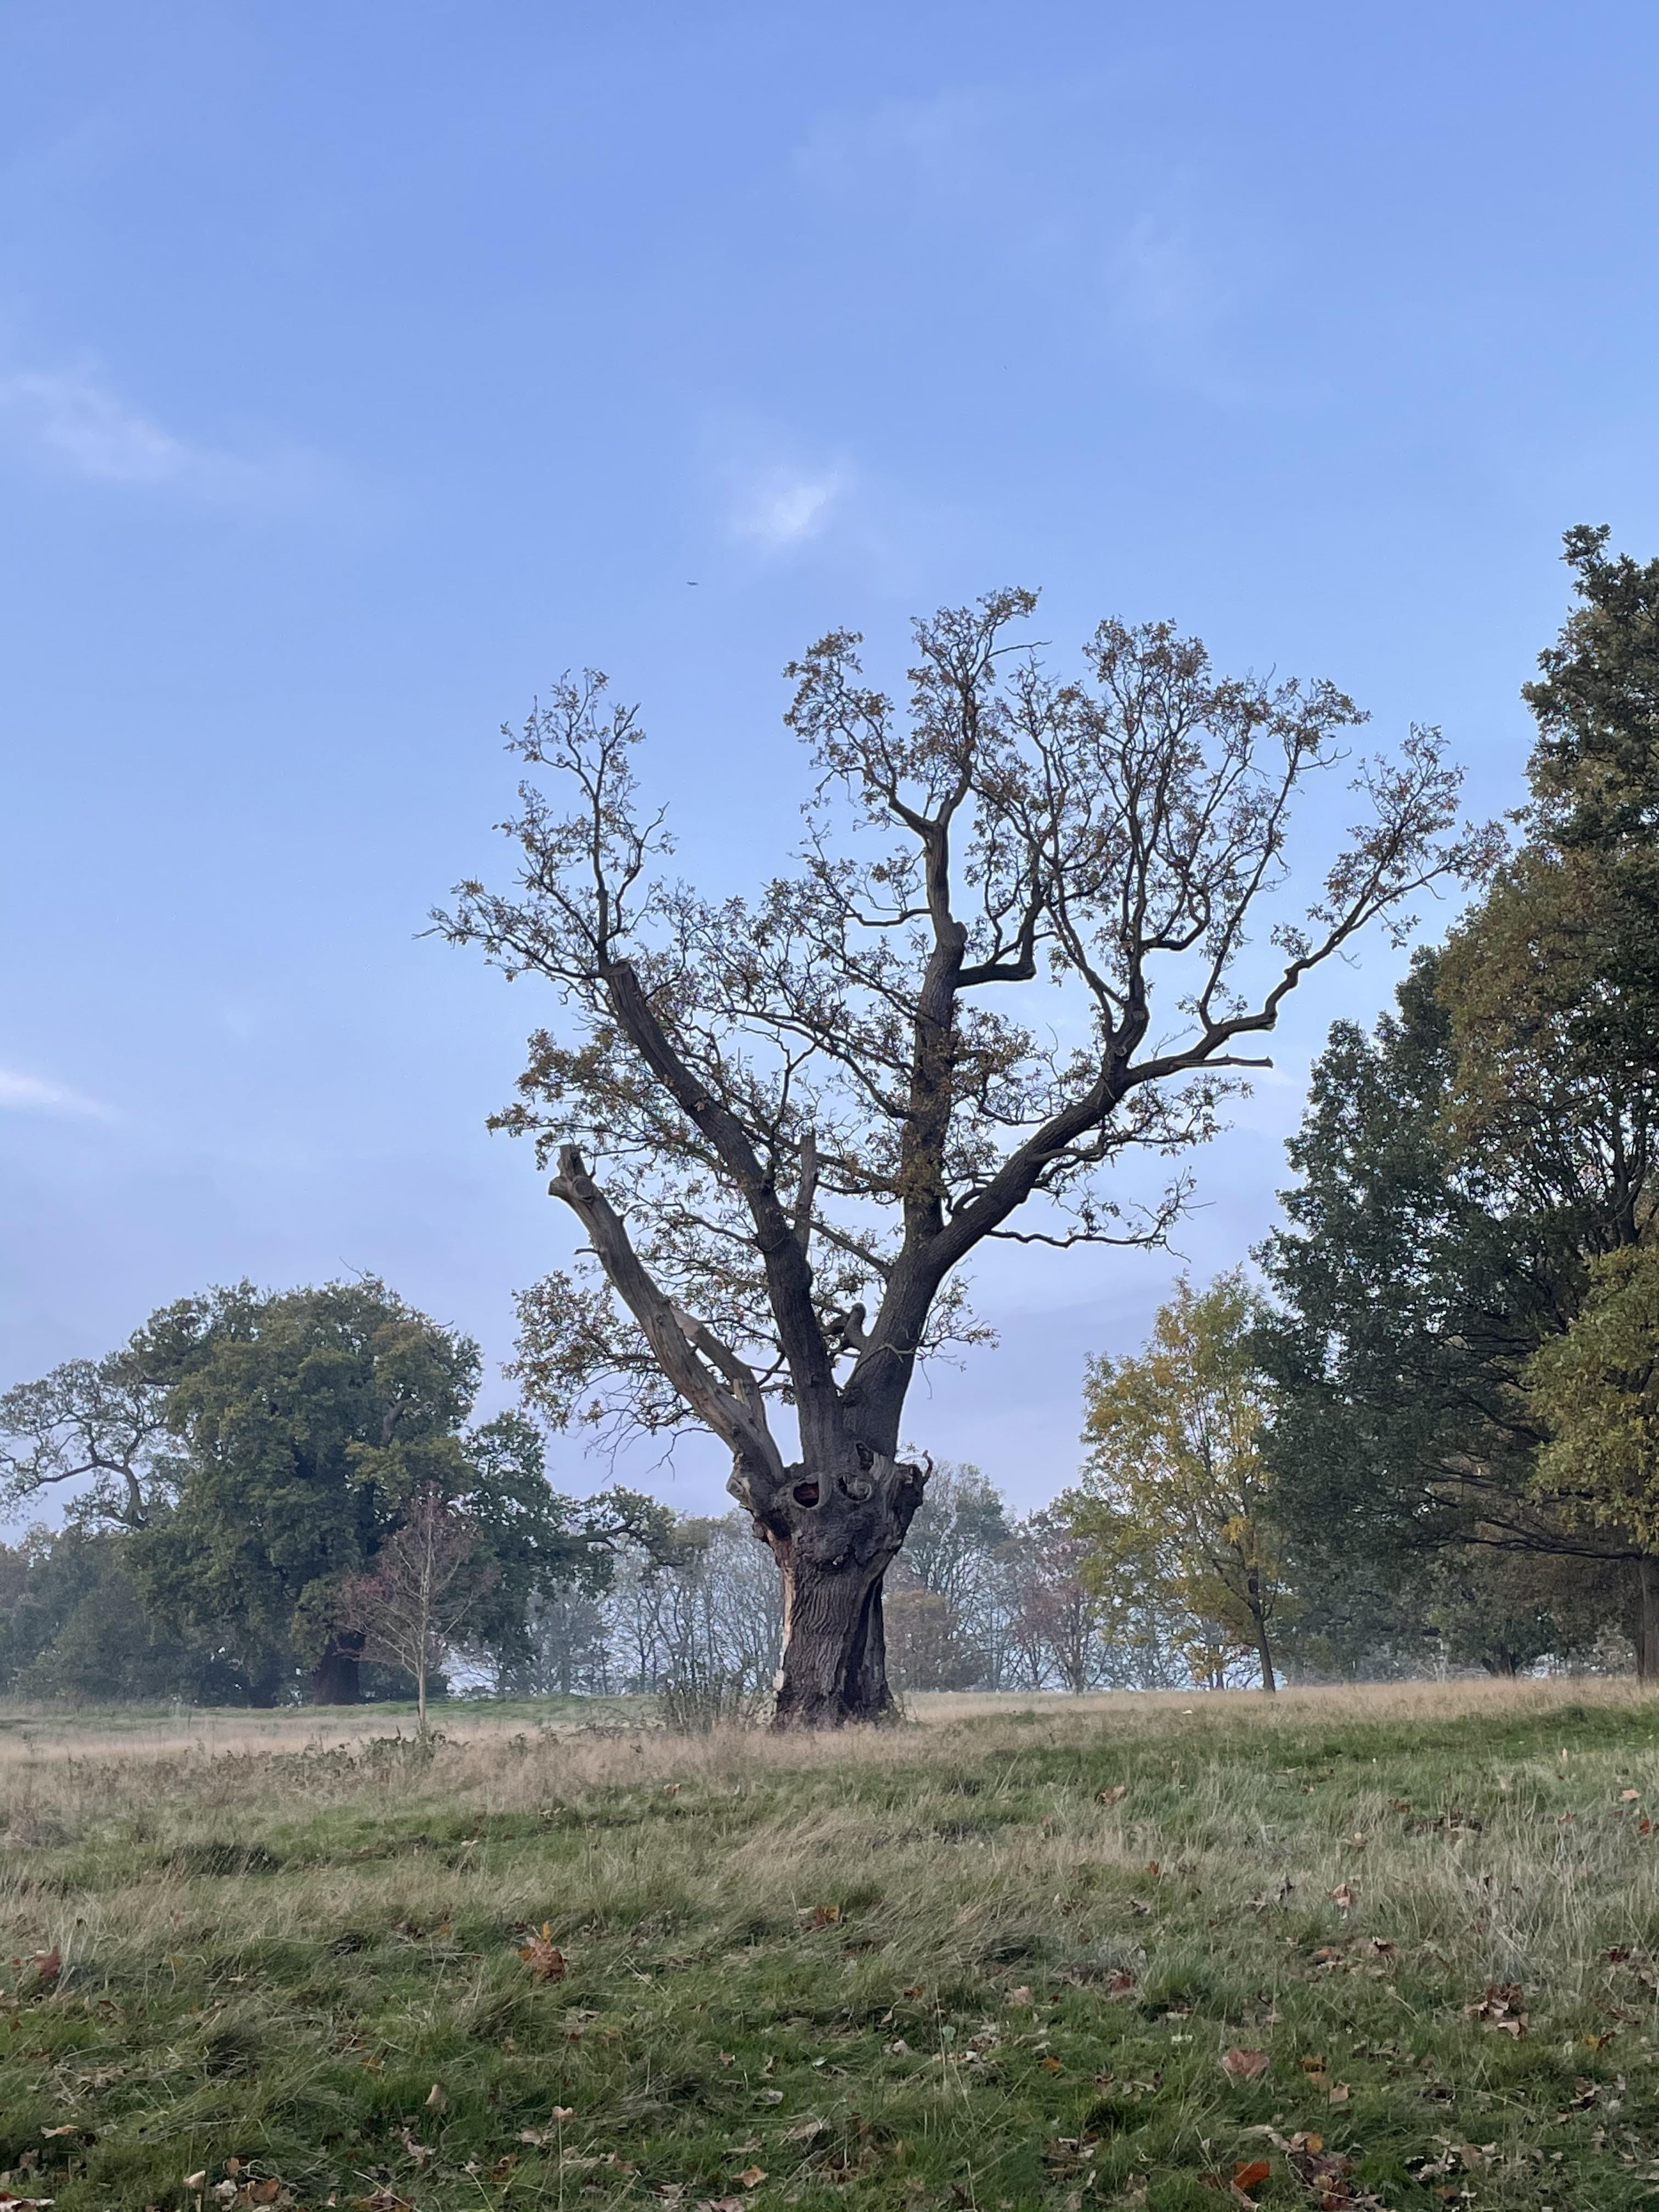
x,y
834,1535
1263,1643
1647,1632
336,1680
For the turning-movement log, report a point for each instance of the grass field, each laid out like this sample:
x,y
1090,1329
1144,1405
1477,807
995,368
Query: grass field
x,y
1355,1948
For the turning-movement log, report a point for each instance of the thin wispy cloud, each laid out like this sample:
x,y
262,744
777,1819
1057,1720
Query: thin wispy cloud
x,y
783,507
929,152
1159,280
74,420
32,1094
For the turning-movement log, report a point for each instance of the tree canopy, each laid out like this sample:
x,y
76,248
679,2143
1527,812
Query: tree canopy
x,y
1012,954
255,1452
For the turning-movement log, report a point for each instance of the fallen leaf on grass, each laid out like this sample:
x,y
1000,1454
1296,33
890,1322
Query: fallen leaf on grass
x,y
436,2098
1500,2009
1051,2065
1345,1897
1243,2065
68,2128
825,1916
1120,1984
1338,2093
46,1966
752,2176
1114,1795
1250,2173
805,2131
1630,1796
1326,2173
719,2204
543,1955
1022,1995
10,2203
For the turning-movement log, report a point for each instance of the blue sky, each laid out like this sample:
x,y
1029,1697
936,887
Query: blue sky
x,y
361,366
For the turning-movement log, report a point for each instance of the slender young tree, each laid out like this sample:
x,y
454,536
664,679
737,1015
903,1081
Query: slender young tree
x,y
426,1581
1014,953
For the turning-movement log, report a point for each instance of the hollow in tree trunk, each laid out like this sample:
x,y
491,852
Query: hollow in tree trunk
x,y
336,1679
833,1534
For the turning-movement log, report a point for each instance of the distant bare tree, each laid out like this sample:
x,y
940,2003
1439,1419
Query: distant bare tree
x,y
426,1578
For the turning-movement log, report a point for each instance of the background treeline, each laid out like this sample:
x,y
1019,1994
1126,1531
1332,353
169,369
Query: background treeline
x,y
1424,1434
1433,1429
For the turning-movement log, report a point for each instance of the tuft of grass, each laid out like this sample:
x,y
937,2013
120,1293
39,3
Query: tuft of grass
x,y
995,1960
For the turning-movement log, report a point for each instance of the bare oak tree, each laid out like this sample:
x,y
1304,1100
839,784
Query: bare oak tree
x,y
784,1122
100,1422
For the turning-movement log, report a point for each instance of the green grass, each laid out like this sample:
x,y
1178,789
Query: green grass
x,y
928,1968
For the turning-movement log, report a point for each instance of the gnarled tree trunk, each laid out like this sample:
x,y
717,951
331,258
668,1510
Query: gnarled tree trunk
x,y
833,1535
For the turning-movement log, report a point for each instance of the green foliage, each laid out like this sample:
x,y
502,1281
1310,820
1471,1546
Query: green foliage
x,y
1175,1493
1597,1387
74,1626
1407,1301
248,1456
308,1419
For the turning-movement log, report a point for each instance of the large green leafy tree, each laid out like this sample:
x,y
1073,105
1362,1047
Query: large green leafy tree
x,y
1464,1168
308,1419
251,1453
1594,776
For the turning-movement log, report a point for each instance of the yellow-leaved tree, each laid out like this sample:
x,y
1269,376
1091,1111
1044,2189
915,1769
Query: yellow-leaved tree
x,y
1596,1390
1174,1496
